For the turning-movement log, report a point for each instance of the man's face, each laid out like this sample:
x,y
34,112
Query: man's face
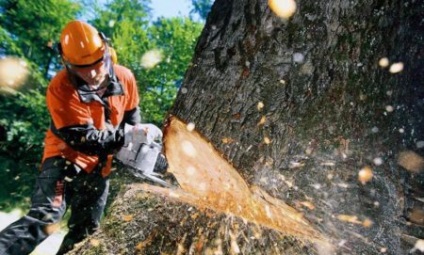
x,y
94,75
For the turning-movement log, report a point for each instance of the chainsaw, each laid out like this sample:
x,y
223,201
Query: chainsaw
x,y
144,159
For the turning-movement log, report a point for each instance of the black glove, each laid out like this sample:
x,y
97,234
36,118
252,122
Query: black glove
x,y
161,164
71,171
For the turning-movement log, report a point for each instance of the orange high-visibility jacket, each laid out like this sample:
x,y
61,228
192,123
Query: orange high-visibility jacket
x,y
81,111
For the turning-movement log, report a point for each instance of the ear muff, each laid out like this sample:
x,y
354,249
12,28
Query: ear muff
x,y
112,51
113,55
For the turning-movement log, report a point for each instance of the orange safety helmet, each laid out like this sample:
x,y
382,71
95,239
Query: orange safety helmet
x,y
81,44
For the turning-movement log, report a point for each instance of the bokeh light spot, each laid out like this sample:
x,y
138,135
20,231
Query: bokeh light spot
x,y
13,73
283,8
151,58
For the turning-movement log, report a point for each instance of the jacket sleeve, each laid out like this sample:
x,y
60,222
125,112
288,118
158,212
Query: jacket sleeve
x,y
91,141
87,139
132,116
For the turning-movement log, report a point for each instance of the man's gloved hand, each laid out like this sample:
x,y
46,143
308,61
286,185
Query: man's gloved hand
x,y
71,171
142,133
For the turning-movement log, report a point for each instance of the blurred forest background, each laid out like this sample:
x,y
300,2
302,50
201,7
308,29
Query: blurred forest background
x,y
157,51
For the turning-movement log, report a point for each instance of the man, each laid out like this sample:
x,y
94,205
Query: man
x,y
89,102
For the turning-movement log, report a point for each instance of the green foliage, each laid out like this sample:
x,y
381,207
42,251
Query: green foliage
x,y
27,31
201,7
34,26
24,118
127,24
16,191
7,44
176,39
120,13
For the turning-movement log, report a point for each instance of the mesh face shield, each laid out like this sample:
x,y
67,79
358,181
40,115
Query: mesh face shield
x,y
93,74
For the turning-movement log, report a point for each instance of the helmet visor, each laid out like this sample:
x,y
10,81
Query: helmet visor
x,y
93,74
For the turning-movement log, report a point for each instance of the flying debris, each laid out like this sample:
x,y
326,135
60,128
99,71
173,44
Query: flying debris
x,y
191,126
283,8
383,62
260,106
13,74
411,161
365,175
151,58
396,67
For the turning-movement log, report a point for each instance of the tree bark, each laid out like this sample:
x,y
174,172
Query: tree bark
x,y
329,108
299,107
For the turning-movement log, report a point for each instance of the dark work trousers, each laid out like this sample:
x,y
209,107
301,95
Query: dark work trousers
x,y
86,196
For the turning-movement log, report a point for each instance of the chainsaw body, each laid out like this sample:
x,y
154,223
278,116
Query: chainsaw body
x,y
144,159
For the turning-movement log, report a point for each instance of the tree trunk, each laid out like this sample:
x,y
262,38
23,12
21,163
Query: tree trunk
x,y
302,108
306,99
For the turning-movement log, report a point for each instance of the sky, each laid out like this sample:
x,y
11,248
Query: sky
x,y
170,8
